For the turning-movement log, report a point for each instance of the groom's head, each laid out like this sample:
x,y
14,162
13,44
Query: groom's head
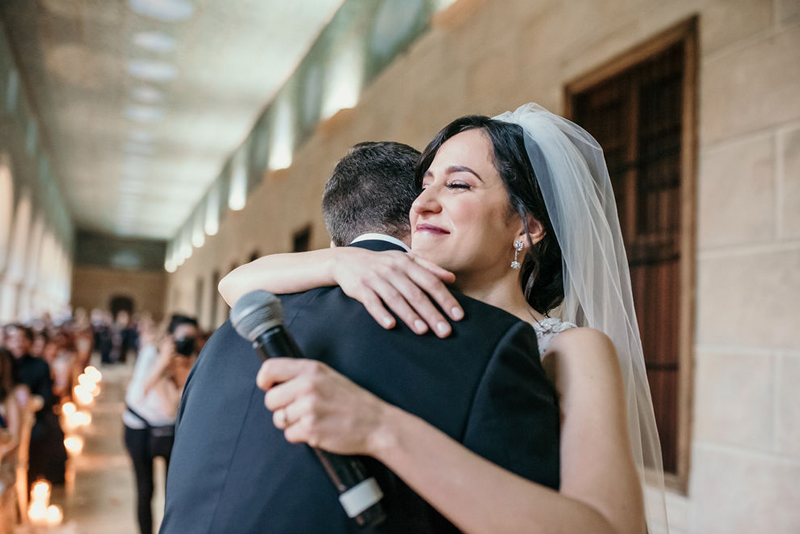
x,y
371,190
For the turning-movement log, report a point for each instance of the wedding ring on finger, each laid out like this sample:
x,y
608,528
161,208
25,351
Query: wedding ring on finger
x,y
281,419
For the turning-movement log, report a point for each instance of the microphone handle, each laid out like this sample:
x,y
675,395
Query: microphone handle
x,y
359,493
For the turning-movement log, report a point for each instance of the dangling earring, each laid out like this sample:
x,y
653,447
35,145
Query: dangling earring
x,y
517,248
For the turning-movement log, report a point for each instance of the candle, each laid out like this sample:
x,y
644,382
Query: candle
x,y
54,515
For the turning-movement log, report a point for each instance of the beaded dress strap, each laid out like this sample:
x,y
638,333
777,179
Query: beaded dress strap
x,y
547,329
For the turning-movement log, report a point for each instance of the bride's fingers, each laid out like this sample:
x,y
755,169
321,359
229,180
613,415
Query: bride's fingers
x,y
278,370
290,414
283,394
280,419
421,303
301,432
374,306
439,292
443,274
398,303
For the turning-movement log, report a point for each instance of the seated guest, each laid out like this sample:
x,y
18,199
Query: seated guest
x,y
9,411
47,457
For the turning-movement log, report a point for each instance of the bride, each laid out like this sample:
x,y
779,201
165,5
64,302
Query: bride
x,y
518,212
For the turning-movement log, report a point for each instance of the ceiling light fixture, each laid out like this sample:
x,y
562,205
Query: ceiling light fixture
x,y
164,10
147,94
133,190
135,148
211,226
280,154
142,136
155,41
154,71
343,80
144,113
133,175
237,198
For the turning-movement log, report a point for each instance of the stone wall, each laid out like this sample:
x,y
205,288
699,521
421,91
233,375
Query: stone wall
x,y
487,57
94,287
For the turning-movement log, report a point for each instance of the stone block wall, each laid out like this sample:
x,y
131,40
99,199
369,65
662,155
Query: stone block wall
x,y
94,287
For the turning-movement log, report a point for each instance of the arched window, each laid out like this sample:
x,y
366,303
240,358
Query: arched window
x,y
120,303
34,253
15,267
46,262
6,212
19,241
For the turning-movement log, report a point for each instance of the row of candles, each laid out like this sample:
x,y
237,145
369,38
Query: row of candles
x,y
40,511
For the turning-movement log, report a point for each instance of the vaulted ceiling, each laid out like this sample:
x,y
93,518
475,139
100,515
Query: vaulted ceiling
x,y
142,101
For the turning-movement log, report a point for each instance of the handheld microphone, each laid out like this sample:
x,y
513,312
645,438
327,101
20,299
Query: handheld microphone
x,y
258,317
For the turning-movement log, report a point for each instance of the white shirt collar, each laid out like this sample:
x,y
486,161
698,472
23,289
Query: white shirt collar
x,y
381,237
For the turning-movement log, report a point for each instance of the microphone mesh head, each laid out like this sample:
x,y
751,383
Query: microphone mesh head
x,y
255,313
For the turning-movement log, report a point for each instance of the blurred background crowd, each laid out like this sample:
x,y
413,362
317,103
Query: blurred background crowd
x,y
46,374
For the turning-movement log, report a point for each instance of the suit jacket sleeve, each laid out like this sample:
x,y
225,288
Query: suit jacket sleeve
x,y
514,421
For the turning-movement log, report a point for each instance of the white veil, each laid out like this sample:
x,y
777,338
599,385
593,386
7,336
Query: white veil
x,y
573,178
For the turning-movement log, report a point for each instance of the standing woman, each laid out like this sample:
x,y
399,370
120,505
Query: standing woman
x,y
152,400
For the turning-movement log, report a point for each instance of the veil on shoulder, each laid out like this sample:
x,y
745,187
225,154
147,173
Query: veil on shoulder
x,y
573,178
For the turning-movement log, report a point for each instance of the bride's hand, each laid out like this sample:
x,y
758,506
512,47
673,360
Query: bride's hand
x,y
402,282
314,404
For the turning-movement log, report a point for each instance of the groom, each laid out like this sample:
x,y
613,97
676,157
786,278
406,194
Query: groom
x,y
232,471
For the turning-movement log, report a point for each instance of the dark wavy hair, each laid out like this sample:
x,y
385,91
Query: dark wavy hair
x,y
541,274
177,319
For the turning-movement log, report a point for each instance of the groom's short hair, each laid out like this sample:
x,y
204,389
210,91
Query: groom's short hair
x,y
371,190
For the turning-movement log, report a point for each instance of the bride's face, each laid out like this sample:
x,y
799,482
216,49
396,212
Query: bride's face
x,y
462,219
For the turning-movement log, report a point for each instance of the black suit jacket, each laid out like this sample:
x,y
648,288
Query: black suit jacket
x,y
232,471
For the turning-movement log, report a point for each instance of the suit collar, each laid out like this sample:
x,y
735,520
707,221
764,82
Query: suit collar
x,y
377,245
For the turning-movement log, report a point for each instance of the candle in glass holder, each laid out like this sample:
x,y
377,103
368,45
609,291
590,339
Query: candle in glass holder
x,y
93,373
68,409
73,444
54,515
37,512
40,492
82,395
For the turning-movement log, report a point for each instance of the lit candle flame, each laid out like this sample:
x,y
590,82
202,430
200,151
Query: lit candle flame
x,y
40,492
54,515
68,409
74,444
93,373
78,419
82,395
37,512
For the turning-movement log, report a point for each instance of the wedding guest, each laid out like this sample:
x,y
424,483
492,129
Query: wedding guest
x,y
152,404
47,458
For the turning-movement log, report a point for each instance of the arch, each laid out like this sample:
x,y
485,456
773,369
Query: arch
x,y
19,240
6,210
119,303
34,254
46,260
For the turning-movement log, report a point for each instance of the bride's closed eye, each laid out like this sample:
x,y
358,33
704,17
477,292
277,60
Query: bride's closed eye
x,y
459,185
